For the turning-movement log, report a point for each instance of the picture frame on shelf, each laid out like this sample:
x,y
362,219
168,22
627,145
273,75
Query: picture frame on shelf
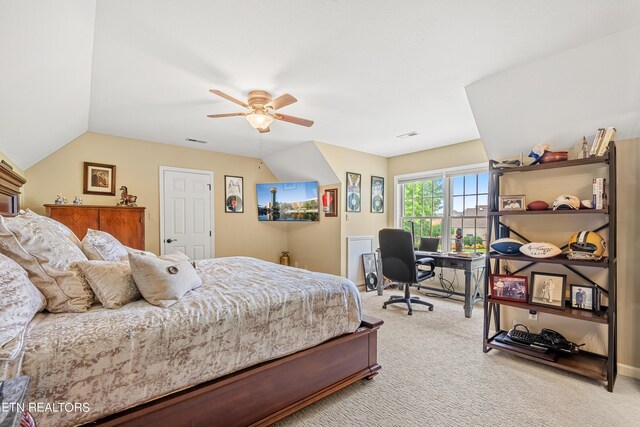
x,y
583,297
233,194
354,192
512,203
377,194
509,288
99,179
548,289
330,202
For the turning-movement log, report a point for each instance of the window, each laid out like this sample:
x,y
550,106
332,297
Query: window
x,y
442,203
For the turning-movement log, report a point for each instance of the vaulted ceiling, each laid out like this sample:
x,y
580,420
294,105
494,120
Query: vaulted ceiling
x,y
364,70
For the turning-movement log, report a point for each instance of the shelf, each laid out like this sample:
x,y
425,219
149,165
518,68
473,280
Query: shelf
x,y
551,212
554,165
603,263
573,313
584,363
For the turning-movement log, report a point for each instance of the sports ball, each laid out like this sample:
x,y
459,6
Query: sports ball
x,y
540,250
537,205
506,246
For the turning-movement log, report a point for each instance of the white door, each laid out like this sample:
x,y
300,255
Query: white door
x,y
186,222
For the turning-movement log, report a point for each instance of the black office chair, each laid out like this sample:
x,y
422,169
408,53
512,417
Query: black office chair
x,y
399,265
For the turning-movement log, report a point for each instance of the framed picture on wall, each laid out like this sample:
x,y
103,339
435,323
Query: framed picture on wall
x,y
99,179
233,194
354,186
583,297
330,202
377,194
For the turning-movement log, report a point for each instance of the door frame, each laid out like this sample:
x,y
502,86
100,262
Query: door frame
x,y
161,215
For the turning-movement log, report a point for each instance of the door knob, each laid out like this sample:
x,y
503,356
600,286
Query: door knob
x,y
171,240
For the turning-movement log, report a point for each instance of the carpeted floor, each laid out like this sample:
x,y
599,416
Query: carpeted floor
x,y
435,373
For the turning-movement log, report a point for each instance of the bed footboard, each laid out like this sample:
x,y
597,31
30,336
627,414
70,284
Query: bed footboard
x,y
265,393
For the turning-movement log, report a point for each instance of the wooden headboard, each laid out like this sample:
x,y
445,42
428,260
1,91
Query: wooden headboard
x,y
10,186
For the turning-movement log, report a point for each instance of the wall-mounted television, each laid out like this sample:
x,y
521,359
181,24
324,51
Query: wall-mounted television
x,y
288,201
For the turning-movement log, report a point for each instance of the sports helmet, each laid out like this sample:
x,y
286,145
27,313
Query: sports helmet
x,y
566,201
587,245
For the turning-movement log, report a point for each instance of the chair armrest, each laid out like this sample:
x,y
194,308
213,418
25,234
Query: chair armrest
x,y
424,262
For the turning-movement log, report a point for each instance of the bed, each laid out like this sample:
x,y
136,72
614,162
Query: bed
x,y
256,342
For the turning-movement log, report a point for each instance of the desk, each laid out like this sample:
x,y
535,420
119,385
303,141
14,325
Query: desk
x,y
473,267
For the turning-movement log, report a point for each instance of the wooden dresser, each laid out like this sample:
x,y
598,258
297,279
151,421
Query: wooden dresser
x,y
124,223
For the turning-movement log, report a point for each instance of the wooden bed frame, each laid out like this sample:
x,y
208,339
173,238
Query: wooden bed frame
x,y
265,393
10,185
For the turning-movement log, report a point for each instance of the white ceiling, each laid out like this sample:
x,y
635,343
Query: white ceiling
x,y
364,70
560,98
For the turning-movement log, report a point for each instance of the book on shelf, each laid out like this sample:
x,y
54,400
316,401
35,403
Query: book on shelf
x,y
609,136
599,196
596,141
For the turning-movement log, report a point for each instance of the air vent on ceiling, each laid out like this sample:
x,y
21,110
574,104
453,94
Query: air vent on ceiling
x,y
408,134
196,140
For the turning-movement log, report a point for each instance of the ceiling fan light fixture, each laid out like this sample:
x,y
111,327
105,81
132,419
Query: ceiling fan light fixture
x,y
259,119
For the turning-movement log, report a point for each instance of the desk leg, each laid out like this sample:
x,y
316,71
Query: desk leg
x,y
468,299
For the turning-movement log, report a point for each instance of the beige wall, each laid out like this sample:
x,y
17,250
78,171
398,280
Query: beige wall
x,y
628,234
138,165
462,154
316,245
364,223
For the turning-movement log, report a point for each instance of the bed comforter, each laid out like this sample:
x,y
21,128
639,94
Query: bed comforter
x,y
246,312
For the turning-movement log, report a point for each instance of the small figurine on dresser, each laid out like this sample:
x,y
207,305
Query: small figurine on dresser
x,y
77,201
127,199
59,199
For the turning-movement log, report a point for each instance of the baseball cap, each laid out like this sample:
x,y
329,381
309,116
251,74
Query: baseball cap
x,y
566,201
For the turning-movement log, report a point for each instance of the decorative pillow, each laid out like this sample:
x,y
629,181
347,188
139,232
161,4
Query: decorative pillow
x,y
138,251
112,282
163,280
102,246
53,225
46,255
20,300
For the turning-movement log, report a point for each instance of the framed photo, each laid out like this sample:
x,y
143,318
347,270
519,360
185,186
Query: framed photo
x,y
583,297
233,194
370,268
354,186
548,289
377,194
330,202
512,203
99,179
509,288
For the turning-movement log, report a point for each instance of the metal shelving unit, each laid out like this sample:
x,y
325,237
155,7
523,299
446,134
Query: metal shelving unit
x,y
602,367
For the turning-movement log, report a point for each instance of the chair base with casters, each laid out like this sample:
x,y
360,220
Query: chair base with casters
x,y
406,299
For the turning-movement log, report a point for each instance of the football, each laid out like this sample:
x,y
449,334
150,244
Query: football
x,y
506,246
540,250
538,205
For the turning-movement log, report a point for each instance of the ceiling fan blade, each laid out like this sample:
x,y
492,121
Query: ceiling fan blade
x,y
229,97
281,101
265,130
293,119
215,116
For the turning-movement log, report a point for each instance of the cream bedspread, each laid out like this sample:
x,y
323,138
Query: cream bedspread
x,y
246,312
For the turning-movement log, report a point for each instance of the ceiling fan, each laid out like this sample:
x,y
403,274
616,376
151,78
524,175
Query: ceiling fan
x,y
263,109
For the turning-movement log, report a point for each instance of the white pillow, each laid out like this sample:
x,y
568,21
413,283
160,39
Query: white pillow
x,y
162,281
46,256
20,300
112,282
53,225
102,246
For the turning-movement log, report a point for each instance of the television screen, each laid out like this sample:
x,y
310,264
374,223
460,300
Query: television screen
x,y
288,201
